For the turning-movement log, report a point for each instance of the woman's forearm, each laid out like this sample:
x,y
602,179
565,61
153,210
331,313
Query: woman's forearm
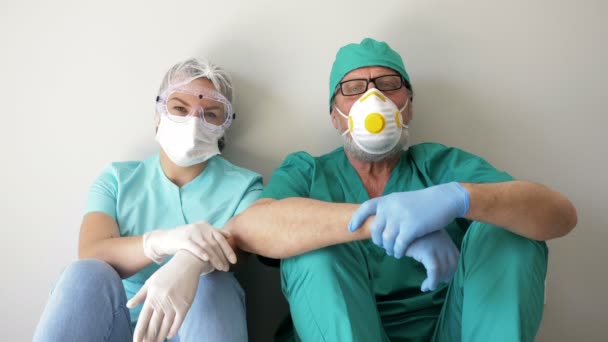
x,y
100,239
125,254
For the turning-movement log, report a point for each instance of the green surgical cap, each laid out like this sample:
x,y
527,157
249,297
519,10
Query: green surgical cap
x,y
369,52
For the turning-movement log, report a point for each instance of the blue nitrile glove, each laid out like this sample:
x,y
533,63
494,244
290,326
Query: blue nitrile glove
x,y
438,254
402,217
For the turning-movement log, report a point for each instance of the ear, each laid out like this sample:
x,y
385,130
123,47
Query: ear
x,y
334,118
409,113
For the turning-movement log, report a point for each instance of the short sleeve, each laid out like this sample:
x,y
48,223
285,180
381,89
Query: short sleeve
x,y
103,194
251,195
292,178
446,164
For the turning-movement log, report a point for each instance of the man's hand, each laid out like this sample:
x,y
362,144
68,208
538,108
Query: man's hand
x,y
168,295
438,254
402,217
200,239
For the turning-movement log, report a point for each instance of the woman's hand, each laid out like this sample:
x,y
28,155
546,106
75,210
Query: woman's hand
x,y
200,239
168,295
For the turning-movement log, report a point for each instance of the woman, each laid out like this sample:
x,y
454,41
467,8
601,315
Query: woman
x,y
139,213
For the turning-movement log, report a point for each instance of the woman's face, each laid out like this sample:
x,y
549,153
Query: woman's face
x,y
189,102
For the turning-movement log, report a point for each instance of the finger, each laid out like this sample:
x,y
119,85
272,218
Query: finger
x,y
165,326
431,281
388,237
154,326
214,259
177,322
217,250
139,297
224,232
403,241
399,247
225,247
194,247
142,322
377,228
366,210
225,264
202,242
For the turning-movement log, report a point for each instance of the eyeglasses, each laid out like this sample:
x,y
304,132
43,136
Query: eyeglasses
x,y
183,101
359,86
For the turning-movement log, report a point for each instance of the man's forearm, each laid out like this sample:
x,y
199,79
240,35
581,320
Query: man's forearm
x,y
527,209
283,228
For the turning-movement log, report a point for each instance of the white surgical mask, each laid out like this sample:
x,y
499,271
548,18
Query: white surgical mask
x,y
187,142
374,122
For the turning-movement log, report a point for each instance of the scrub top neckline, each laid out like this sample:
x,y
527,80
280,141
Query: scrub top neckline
x,y
194,180
354,180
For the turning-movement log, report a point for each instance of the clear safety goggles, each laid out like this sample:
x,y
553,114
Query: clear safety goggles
x,y
181,102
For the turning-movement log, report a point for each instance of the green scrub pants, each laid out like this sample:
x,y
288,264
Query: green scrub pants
x,y
347,293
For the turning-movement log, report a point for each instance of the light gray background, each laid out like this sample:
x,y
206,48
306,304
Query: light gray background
x,y
521,83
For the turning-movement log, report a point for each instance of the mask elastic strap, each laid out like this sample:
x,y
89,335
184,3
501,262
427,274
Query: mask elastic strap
x,y
401,111
344,116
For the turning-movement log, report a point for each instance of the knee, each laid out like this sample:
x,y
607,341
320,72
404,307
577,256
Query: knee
x,y
505,248
322,266
219,299
219,286
91,273
317,261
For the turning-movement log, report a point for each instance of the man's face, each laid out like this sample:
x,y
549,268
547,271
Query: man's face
x,y
398,96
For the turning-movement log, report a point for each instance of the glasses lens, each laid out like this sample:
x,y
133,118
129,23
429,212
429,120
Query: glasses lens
x,y
180,106
353,87
356,87
214,112
389,82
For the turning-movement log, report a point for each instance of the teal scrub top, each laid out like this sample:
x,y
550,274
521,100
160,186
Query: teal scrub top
x,y
332,178
140,198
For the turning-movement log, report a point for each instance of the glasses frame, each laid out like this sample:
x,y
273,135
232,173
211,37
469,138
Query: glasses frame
x,y
367,81
162,99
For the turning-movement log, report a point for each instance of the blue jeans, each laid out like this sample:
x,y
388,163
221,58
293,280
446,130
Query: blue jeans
x,y
88,303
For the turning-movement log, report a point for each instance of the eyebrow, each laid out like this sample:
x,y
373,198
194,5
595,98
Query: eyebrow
x,y
365,79
187,104
355,79
180,100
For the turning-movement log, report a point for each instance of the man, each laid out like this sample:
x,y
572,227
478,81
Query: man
x,y
421,205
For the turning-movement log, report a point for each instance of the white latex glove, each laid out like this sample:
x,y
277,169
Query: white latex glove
x,y
168,294
200,239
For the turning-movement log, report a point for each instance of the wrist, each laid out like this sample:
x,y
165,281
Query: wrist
x,y
364,232
192,263
462,193
150,249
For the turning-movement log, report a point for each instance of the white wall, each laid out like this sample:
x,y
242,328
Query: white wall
x,y
521,83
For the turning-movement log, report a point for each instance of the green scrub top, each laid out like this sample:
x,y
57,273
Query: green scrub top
x,y
140,198
396,282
